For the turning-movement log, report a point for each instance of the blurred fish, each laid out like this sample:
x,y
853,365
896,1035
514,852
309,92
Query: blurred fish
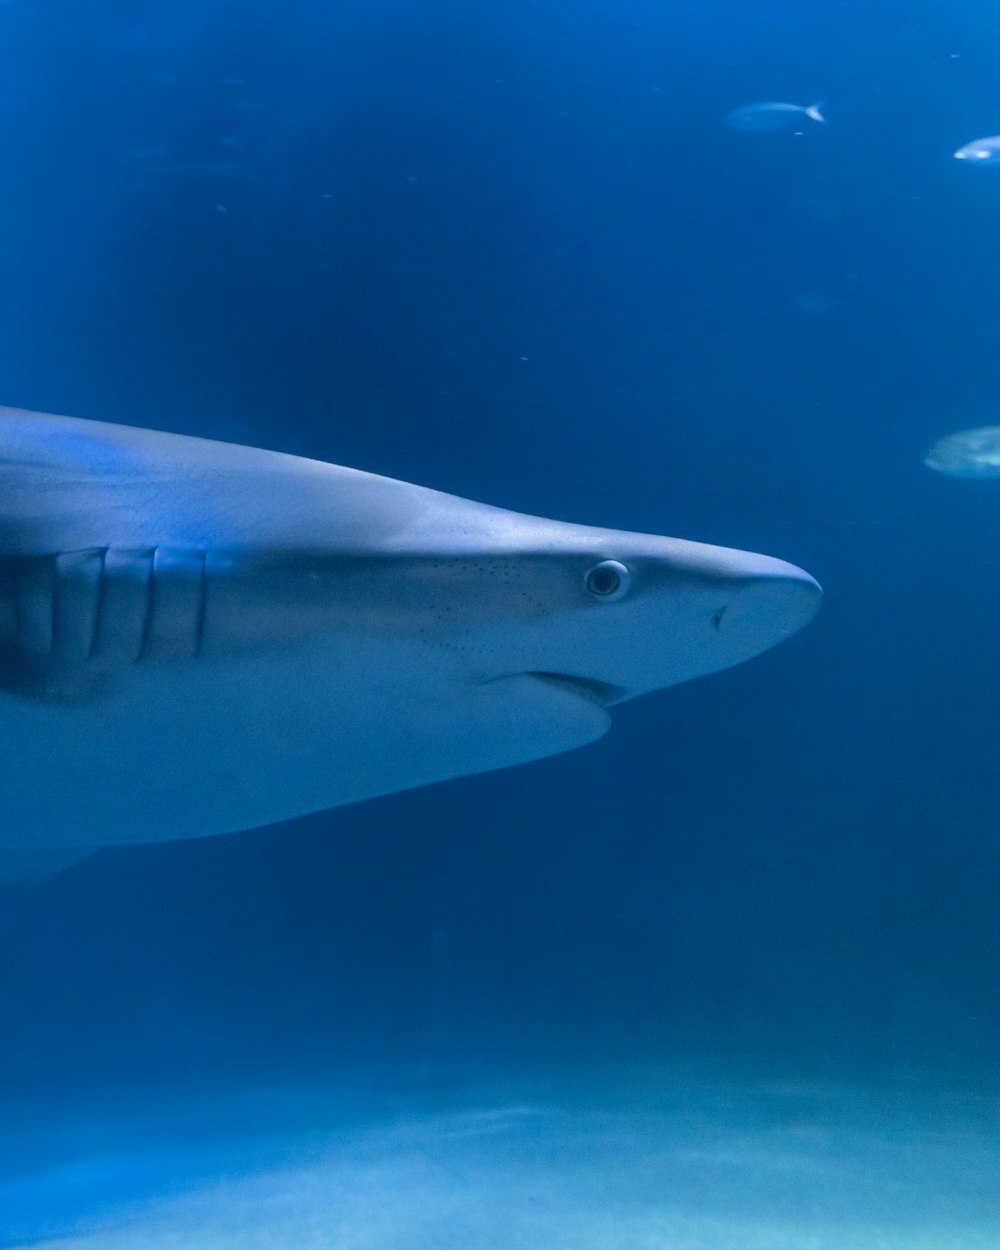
x,y
969,453
981,151
773,115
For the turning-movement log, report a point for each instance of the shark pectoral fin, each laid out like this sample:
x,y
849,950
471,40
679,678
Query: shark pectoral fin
x,y
24,866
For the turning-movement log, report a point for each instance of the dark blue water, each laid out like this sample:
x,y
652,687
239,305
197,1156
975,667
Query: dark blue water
x,y
512,251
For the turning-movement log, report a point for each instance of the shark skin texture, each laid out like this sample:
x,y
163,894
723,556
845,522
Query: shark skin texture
x,y
198,637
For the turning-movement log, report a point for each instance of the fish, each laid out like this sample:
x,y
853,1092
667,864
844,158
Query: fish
x,y
198,637
773,115
980,151
969,453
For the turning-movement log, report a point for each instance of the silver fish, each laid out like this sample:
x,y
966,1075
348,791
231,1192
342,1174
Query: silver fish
x,y
773,115
980,151
970,453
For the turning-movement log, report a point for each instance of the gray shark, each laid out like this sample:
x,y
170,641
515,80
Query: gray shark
x,y
198,637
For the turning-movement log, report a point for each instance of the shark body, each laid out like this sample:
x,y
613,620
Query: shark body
x,y
198,637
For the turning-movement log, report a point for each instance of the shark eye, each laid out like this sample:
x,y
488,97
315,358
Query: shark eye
x,y
608,580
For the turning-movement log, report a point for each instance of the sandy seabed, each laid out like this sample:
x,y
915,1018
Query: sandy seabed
x,y
631,1161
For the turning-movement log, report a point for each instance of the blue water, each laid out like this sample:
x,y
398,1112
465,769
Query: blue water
x,y
512,251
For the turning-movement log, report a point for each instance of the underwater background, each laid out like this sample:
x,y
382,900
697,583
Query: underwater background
x,y
514,252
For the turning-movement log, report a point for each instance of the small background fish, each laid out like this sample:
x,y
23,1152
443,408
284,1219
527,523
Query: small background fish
x,y
981,151
773,115
969,453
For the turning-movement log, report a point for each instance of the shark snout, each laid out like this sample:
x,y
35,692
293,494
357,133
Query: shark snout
x,y
770,601
708,611
778,595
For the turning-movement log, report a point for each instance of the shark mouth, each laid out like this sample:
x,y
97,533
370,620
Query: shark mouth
x,y
599,692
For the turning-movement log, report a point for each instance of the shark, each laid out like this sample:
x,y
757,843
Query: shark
x,y
198,637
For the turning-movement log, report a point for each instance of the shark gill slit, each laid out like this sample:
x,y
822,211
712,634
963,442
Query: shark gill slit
x,y
175,607
147,620
99,597
62,604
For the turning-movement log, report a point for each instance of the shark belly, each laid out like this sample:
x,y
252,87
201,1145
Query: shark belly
x,y
234,742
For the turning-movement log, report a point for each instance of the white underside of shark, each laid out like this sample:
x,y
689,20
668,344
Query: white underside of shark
x,y
198,637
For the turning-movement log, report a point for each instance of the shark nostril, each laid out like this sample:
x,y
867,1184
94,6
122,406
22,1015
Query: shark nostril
x,y
717,618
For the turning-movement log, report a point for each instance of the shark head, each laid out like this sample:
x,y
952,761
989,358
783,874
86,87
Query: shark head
x,y
544,626
198,638
614,615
